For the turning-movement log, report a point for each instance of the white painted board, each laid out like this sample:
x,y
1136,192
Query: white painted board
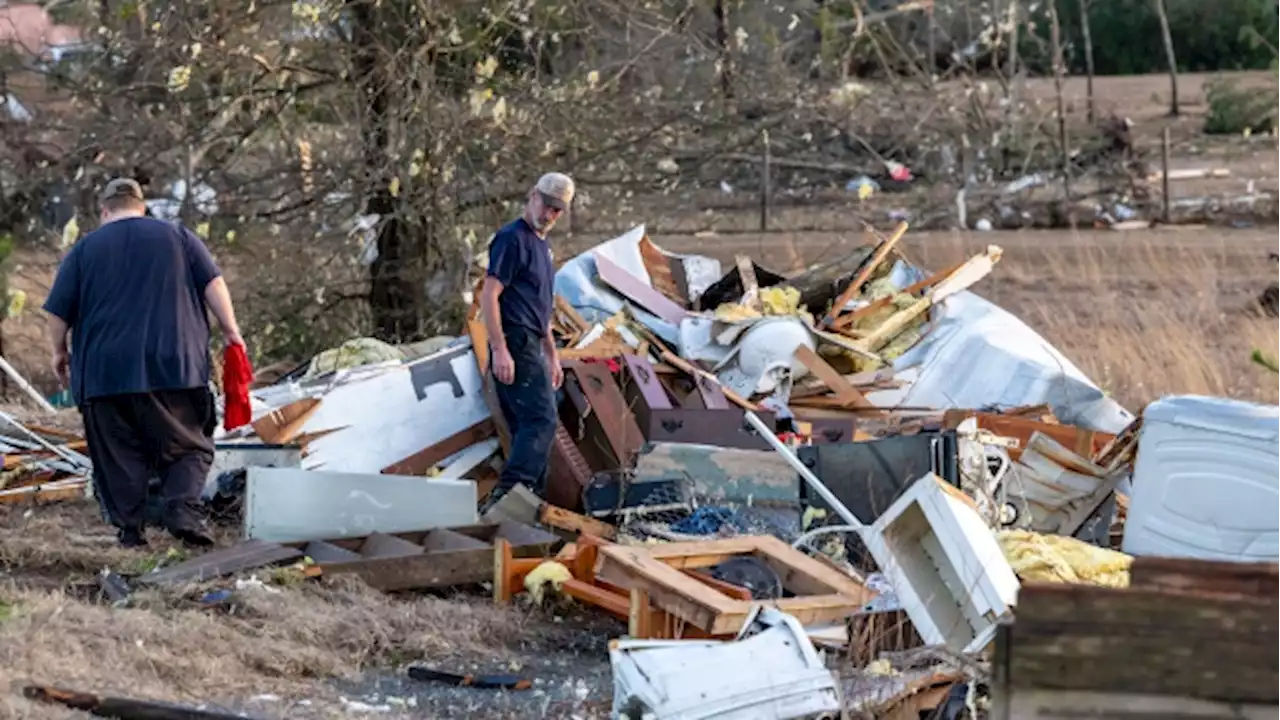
x,y
288,505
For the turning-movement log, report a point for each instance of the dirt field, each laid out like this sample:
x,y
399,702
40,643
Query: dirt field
x,y
1143,313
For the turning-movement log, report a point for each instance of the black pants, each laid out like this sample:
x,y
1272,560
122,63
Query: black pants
x,y
136,436
529,407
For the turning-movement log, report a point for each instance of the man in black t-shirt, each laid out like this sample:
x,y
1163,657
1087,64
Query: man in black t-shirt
x,y
132,297
517,300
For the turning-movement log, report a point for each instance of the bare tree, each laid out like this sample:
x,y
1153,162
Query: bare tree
x,y
1055,42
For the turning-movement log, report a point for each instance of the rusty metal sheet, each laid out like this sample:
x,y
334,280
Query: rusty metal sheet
x,y
608,416
722,428
568,472
245,556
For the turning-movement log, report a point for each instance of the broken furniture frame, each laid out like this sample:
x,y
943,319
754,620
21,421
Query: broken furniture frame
x,y
821,593
631,606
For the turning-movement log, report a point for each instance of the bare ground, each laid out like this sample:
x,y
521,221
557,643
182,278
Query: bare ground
x,y
298,650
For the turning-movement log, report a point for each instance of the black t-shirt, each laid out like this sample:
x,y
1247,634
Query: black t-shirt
x,y
521,261
132,292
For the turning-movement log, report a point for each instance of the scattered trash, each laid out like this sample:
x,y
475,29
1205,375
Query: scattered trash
x,y
500,682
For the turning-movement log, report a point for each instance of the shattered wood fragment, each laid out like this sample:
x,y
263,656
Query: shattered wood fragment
x,y
844,392
750,288
855,285
52,492
421,462
659,267
848,319
113,707
973,270
282,425
573,522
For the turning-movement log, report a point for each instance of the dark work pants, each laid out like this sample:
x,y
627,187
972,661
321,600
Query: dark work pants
x,y
529,407
136,436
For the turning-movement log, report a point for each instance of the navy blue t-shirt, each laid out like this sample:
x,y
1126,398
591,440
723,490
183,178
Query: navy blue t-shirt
x,y
132,292
521,261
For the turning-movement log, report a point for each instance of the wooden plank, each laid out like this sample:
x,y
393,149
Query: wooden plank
x,y
42,494
804,572
817,609
848,319
421,462
282,425
1022,429
851,290
661,274
1030,704
636,290
640,615
245,556
1260,580
573,522
618,605
1076,637
669,589
846,393
737,592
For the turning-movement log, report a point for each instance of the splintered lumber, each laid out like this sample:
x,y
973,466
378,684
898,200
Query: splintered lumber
x,y
750,286
851,290
844,391
282,425
1142,641
558,517
969,273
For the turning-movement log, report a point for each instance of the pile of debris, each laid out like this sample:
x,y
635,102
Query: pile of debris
x,y
863,466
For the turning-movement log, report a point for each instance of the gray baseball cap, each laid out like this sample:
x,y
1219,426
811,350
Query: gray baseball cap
x,y
556,189
121,188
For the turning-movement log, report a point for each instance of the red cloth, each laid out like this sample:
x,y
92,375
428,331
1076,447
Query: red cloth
x,y
237,374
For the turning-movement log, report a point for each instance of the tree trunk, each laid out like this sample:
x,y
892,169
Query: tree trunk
x,y
1055,46
724,56
397,293
1169,55
1088,56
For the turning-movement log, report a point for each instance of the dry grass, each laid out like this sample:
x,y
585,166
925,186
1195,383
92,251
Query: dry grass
x,y
167,646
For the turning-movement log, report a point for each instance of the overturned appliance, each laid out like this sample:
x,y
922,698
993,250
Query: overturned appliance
x,y
770,672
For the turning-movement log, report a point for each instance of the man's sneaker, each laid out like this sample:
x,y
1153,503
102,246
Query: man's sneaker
x,y
131,537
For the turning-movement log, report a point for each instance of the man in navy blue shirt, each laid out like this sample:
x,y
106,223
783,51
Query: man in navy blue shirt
x,y
132,295
517,300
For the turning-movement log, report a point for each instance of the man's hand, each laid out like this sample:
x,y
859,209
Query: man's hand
x,y
233,338
557,372
61,365
504,368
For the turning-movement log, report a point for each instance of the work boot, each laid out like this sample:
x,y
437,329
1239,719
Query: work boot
x,y
131,537
192,536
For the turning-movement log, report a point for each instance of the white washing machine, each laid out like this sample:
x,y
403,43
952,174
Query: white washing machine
x,y
1206,482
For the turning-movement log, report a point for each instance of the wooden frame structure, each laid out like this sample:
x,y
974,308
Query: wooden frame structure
x,y
660,574
670,597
